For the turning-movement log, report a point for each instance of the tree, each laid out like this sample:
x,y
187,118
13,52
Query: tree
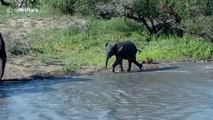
x,y
197,15
157,16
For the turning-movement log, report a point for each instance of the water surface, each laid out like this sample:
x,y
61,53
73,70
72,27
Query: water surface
x,y
182,93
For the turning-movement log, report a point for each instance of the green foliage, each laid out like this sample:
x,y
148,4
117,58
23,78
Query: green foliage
x,y
57,6
70,68
171,48
85,7
196,49
201,26
82,7
146,8
3,10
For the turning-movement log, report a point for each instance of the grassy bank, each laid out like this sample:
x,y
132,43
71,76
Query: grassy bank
x,y
82,44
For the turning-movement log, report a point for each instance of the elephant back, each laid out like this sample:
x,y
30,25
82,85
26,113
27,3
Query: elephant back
x,y
128,49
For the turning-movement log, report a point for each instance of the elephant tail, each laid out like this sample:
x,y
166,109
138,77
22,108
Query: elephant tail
x,y
139,51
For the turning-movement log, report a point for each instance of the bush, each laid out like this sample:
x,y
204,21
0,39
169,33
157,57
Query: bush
x,y
201,26
59,6
82,7
85,7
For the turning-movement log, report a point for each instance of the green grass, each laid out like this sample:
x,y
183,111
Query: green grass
x,y
83,46
177,48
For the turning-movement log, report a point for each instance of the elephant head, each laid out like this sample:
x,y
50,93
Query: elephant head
x,y
111,50
3,56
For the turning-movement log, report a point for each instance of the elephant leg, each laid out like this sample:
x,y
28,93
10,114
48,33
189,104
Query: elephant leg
x,y
138,64
121,65
130,64
117,61
2,66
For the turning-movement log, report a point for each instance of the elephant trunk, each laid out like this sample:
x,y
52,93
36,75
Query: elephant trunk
x,y
107,59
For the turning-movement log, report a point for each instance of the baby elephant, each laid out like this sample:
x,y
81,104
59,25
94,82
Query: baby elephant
x,y
122,50
3,56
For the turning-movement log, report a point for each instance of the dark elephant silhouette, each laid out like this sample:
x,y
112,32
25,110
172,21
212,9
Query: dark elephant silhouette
x,y
3,56
122,50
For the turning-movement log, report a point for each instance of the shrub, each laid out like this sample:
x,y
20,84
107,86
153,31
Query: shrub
x,y
59,6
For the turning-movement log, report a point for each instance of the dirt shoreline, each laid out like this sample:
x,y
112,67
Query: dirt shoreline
x,y
18,72
29,67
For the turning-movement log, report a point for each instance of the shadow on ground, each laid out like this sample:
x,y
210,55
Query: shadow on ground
x,y
153,69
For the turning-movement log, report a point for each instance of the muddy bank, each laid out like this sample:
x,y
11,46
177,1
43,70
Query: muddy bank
x,y
19,72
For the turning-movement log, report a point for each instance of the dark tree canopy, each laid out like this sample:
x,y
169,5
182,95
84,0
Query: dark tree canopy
x,y
158,17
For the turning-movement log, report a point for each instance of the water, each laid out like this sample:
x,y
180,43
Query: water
x,y
182,93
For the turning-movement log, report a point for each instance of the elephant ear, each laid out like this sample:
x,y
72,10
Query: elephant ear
x,y
119,49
